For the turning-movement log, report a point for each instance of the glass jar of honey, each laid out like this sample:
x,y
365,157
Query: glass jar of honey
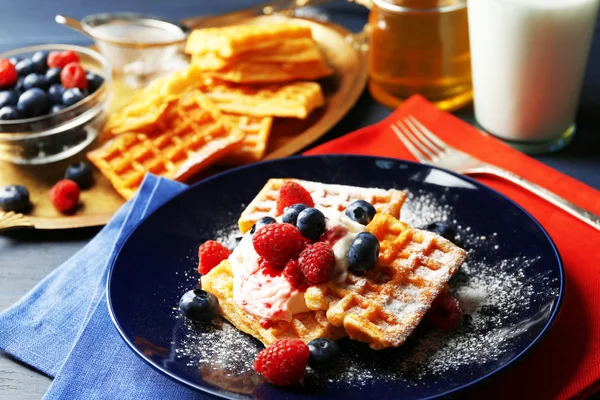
x,y
420,46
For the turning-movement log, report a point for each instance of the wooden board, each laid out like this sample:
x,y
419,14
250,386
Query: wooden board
x,y
99,203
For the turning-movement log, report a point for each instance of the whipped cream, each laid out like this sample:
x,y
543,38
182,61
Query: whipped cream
x,y
274,297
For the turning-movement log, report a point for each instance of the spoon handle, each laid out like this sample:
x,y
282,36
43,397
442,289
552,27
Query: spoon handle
x,y
70,23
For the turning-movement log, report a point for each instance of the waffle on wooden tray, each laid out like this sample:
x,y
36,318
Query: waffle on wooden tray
x,y
251,73
188,137
305,326
383,307
324,195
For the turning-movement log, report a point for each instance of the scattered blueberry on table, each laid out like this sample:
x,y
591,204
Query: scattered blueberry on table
x,y
80,173
47,82
14,198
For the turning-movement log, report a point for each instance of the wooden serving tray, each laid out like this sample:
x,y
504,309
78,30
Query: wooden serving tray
x,y
345,54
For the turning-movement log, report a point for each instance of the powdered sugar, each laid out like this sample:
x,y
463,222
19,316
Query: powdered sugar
x,y
494,295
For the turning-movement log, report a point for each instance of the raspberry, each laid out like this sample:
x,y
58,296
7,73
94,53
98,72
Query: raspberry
x,y
210,254
292,193
267,268
283,362
8,73
277,243
317,262
65,195
293,273
58,59
73,76
445,313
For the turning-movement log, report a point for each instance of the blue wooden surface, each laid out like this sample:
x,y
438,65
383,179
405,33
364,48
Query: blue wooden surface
x,y
28,22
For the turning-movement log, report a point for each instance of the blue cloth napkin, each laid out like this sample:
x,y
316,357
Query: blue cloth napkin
x,y
62,326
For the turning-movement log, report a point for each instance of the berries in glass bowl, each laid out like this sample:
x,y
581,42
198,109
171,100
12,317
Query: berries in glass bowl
x,y
53,102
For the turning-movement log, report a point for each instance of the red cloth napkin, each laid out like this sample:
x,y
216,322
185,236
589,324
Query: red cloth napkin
x,y
567,361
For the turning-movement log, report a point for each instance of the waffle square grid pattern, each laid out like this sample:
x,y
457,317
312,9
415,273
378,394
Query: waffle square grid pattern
x,y
190,136
384,306
324,195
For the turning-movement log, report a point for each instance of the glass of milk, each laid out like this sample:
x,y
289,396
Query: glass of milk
x,y
528,61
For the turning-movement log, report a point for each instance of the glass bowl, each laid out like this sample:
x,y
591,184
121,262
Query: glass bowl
x,y
53,137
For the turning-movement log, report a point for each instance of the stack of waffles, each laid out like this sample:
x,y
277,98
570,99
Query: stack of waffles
x,y
220,109
381,307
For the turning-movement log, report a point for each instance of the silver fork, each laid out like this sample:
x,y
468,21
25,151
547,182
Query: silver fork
x,y
430,149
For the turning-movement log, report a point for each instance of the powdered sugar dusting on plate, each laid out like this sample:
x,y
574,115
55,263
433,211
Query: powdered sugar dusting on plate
x,y
492,296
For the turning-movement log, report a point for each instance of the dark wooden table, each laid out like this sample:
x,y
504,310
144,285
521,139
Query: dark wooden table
x,y
28,256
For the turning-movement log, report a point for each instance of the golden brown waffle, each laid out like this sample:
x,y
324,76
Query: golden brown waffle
x,y
256,134
261,72
233,40
296,50
190,136
295,100
148,105
324,195
383,307
305,326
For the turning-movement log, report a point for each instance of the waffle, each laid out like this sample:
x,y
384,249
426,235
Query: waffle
x,y
324,195
296,50
149,104
383,307
305,326
190,136
233,40
255,72
256,134
295,100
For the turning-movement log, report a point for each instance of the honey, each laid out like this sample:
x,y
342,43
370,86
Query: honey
x,y
420,46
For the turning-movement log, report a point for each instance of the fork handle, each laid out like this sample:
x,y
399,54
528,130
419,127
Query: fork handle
x,y
558,201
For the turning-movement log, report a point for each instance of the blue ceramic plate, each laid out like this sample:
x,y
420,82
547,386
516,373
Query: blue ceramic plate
x,y
510,288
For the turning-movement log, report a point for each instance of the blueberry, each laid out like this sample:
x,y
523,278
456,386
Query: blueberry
x,y
35,81
198,305
94,81
39,60
53,76
262,222
56,108
363,252
81,173
444,230
14,198
324,353
72,96
19,85
8,98
290,215
9,113
55,93
33,102
14,60
311,223
360,211
25,67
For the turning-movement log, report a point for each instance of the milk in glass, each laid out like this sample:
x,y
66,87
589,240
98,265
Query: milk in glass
x,y
528,62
